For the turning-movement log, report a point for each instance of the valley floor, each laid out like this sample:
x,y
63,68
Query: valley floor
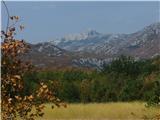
x,y
101,111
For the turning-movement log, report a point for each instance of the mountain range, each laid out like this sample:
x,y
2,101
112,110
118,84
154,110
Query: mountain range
x,y
92,49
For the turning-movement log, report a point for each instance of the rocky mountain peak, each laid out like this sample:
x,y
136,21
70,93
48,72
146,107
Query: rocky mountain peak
x,y
91,32
92,48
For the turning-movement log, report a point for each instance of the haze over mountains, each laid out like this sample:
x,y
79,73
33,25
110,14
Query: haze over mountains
x,y
93,49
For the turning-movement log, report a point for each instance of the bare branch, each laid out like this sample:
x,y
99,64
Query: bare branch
x,y
7,14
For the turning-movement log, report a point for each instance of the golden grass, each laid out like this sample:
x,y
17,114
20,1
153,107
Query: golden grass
x,y
100,111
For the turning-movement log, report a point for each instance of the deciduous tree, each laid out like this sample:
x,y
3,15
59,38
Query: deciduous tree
x,y
13,100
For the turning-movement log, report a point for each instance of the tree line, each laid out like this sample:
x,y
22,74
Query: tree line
x,y
124,79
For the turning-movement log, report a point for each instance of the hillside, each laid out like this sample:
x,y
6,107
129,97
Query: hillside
x,y
92,49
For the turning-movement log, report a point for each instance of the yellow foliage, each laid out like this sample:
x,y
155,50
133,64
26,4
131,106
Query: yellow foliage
x,y
14,103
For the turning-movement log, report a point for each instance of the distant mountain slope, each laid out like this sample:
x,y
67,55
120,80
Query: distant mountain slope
x,y
92,49
47,49
115,44
46,55
144,43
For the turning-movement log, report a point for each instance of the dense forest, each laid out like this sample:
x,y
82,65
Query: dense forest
x,y
124,79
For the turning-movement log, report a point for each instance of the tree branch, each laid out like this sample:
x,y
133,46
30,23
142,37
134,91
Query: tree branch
x,y
7,14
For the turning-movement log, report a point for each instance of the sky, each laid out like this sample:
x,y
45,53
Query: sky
x,y
45,21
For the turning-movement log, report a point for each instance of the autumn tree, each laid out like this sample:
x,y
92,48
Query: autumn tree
x,y
14,103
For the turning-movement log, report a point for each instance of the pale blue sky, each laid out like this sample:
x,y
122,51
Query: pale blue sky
x,y
45,21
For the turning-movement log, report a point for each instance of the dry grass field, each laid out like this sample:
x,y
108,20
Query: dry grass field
x,y
101,111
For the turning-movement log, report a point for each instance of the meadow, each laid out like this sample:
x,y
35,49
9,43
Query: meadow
x,y
101,111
